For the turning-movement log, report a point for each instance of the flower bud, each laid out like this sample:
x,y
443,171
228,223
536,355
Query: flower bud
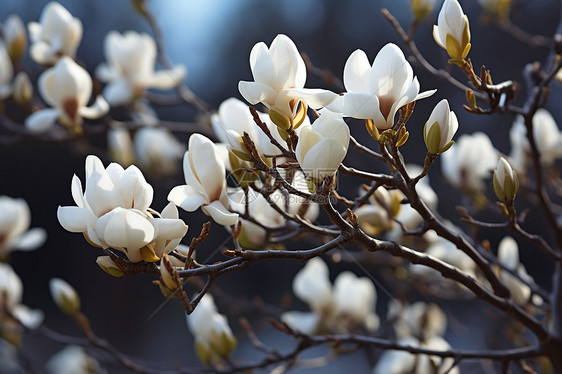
x,y
23,89
440,128
120,146
65,296
421,8
168,275
15,37
506,182
452,32
110,267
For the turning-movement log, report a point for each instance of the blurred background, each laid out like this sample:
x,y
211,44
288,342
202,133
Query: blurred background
x,y
213,39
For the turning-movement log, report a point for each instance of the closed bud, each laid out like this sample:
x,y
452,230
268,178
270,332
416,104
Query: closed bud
x,y
452,32
110,267
23,89
15,37
440,128
471,98
506,182
65,296
168,275
421,8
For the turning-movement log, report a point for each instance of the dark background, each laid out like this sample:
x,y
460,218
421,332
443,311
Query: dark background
x,y
213,39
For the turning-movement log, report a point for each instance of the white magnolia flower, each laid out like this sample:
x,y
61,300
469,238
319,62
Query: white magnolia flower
x,y
452,32
6,72
15,219
323,145
213,336
279,76
469,161
377,92
508,256
506,182
419,319
11,290
57,34
349,303
547,137
15,37
205,176
157,150
440,128
130,68
376,217
64,295
234,119
120,146
73,360
114,212
67,87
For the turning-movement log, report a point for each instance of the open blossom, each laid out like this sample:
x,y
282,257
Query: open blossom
x,y
279,76
57,34
234,119
452,32
15,219
469,161
67,87
348,304
15,37
205,176
213,336
114,212
129,69
440,128
377,92
11,290
323,145
6,72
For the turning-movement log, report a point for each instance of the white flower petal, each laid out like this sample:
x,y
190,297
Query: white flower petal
x,y
42,120
220,214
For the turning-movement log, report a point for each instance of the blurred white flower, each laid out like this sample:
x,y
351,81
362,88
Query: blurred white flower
x,y
67,87
120,146
420,320
279,76
11,292
377,92
205,176
15,219
73,360
157,150
323,145
469,161
129,69
508,256
114,212
64,295
440,128
6,72
57,34
452,32
377,216
213,336
15,37
547,137
348,304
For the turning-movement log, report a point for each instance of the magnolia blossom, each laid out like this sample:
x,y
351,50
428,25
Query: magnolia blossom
x,y
213,336
421,320
57,34
377,216
130,68
508,256
469,161
452,32
349,303
279,76
506,182
548,139
15,37
67,87
323,145
120,146
11,290
377,92
73,360
157,150
6,72
206,182
15,219
114,212
234,119
440,128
